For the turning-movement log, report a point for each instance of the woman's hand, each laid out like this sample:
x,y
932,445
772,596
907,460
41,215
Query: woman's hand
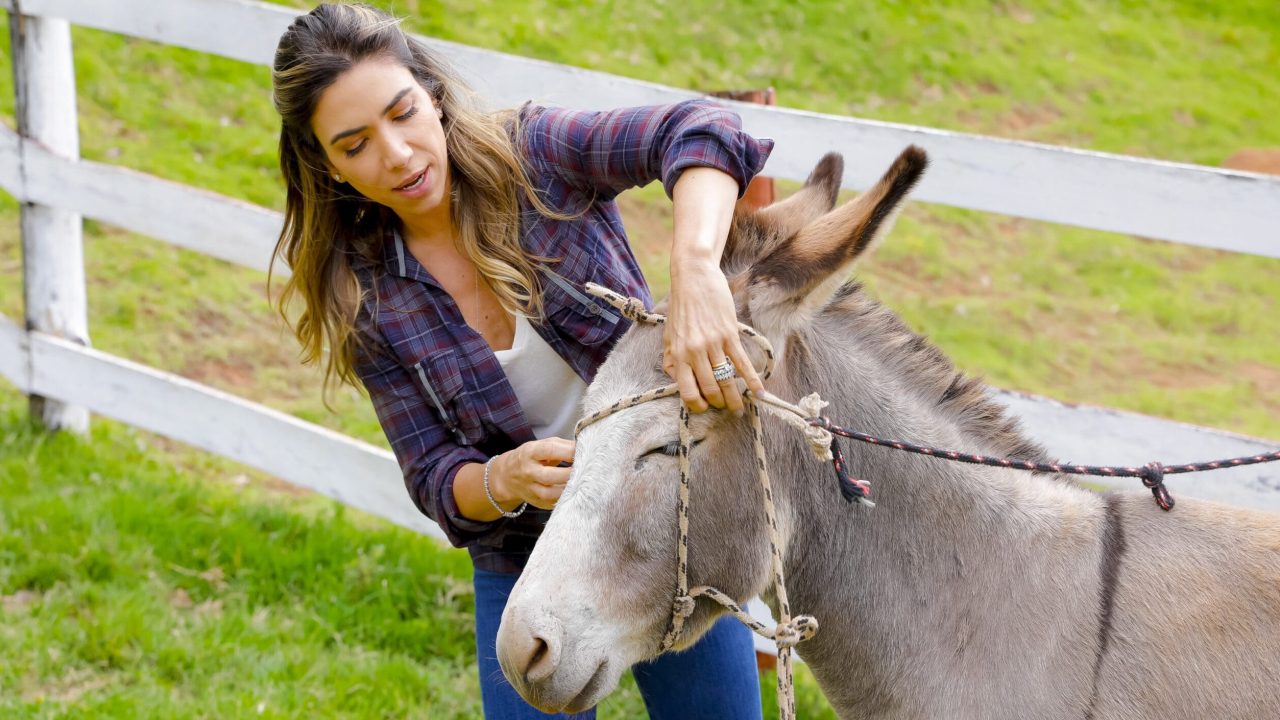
x,y
702,332
702,323
531,473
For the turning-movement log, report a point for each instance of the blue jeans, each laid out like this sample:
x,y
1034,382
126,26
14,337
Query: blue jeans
x,y
713,680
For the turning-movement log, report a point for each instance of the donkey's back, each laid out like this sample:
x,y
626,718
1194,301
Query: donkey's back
x,y
1195,625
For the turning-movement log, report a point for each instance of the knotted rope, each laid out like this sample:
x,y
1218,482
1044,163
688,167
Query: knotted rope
x,y
790,630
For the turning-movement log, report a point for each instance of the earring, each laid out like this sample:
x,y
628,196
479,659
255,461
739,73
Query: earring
x,y
440,113
337,177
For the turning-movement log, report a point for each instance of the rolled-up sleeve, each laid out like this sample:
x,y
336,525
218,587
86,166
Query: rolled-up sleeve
x,y
428,455
609,152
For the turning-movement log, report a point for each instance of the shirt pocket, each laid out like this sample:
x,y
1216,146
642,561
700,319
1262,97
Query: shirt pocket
x,y
440,377
574,313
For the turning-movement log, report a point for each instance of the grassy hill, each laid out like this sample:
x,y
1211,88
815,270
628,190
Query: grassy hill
x,y
141,579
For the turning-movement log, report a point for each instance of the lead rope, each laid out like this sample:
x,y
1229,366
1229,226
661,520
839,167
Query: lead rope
x,y
789,631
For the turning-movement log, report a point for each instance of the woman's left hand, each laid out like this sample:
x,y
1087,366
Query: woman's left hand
x,y
702,332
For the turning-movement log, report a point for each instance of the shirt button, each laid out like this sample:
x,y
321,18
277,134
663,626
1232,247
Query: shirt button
x,y
594,309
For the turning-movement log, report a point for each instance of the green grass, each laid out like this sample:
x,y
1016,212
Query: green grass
x,y
105,532
133,590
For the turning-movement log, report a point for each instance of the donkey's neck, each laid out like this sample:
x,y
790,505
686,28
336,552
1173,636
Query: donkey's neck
x,y
949,571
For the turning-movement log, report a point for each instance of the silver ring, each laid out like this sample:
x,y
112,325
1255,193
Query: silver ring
x,y
724,371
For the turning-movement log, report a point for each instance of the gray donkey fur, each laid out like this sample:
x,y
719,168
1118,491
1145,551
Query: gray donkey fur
x,y
967,592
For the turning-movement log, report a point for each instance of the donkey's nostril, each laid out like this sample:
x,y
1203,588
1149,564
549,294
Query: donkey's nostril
x,y
529,651
539,651
542,660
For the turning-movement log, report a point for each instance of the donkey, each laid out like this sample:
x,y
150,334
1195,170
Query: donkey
x,y
967,592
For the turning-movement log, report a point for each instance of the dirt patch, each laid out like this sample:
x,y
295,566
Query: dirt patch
x,y
1177,376
1262,379
181,599
970,91
1186,258
222,374
905,273
243,350
1025,120
1265,380
19,600
1258,160
70,688
276,485
1012,227
1018,13
1263,376
214,576
210,609
1022,122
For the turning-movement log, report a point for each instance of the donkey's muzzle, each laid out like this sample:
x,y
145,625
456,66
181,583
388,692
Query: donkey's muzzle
x,y
533,654
528,652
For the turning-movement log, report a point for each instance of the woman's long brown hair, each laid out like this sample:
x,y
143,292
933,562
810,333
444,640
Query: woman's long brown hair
x,y
326,226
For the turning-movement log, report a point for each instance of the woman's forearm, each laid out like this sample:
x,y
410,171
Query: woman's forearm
x,y
703,200
701,332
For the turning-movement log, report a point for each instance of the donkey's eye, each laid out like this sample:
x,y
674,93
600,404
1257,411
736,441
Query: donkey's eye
x,y
671,449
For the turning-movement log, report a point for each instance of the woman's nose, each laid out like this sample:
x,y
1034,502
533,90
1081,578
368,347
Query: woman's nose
x,y
398,152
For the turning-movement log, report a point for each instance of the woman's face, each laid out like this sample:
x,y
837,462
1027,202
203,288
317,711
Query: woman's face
x,y
381,132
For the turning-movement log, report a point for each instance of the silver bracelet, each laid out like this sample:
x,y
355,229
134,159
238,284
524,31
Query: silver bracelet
x,y
489,494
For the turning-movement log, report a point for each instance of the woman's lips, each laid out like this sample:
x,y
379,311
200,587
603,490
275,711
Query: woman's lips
x,y
415,188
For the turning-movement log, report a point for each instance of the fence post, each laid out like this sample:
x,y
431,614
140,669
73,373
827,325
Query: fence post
x,y
52,243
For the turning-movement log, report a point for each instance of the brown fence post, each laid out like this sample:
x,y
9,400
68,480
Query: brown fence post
x,y
760,191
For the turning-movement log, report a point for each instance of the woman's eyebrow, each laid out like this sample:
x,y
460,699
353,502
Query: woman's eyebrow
x,y
399,96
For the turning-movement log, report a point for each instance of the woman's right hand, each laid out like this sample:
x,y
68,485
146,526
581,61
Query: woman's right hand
x,y
531,473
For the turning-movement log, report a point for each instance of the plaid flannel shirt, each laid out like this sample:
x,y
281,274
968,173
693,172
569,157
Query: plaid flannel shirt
x,y
438,390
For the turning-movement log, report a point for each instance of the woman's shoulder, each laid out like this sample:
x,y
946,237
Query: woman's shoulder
x,y
528,127
371,260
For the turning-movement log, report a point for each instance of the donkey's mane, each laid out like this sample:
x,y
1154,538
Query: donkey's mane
x,y
934,376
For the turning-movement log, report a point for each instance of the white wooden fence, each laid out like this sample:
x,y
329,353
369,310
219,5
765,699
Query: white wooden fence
x,y
39,165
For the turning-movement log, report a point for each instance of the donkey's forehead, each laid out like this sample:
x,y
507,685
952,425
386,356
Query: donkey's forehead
x,y
634,367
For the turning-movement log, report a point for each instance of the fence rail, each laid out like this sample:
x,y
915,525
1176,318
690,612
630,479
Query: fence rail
x,y
1211,207
200,220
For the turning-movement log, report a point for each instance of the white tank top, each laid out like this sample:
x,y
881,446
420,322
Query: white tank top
x,y
549,391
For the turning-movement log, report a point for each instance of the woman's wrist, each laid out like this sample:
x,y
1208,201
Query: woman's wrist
x,y
495,492
698,257
693,270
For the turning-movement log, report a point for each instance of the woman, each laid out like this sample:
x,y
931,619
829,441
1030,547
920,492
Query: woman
x,y
440,255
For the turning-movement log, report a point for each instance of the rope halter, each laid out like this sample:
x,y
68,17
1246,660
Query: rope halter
x,y
789,630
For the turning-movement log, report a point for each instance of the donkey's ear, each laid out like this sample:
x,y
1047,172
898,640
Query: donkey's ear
x,y
756,233
791,283
818,196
